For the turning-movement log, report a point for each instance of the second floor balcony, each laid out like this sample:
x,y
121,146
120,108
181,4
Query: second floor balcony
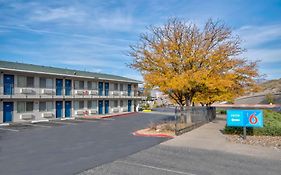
x,y
9,91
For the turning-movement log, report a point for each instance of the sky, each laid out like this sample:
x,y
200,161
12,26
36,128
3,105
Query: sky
x,y
94,35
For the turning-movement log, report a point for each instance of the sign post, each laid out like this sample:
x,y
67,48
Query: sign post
x,y
244,132
245,118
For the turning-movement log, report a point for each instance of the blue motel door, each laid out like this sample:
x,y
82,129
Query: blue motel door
x,y
100,88
106,89
129,105
68,109
67,87
58,109
59,86
8,82
8,108
129,89
106,104
100,107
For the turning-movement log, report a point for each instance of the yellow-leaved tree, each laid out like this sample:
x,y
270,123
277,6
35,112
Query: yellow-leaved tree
x,y
194,65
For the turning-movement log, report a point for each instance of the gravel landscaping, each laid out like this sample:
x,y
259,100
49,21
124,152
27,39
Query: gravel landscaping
x,y
266,141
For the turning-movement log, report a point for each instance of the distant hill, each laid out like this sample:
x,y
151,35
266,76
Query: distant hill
x,y
271,86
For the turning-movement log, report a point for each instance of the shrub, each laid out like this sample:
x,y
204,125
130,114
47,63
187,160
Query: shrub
x,y
146,106
237,130
221,111
272,126
269,98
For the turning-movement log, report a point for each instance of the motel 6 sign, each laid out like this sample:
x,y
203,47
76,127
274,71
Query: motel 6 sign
x,y
245,118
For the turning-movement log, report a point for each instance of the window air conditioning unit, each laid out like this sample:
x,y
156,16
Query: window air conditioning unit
x,y
93,92
115,110
115,93
47,91
79,92
47,115
93,111
26,116
26,91
80,112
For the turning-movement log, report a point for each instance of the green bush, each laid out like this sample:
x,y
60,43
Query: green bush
x,y
146,106
221,111
271,126
237,130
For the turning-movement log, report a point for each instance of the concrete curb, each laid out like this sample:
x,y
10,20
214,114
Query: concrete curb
x,y
4,124
38,121
109,116
136,133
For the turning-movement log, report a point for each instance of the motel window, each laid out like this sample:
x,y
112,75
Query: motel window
x,y
78,105
81,104
92,104
29,106
24,107
20,107
79,85
90,85
121,103
121,87
115,86
29,81
46,83
115,103
45,106
89,104
94,85
42,83
25,81
21,81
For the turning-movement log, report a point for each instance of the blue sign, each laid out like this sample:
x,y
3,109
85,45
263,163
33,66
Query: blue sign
x,y
248,118
235,118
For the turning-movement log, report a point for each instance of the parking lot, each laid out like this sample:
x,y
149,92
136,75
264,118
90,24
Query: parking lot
x,y
71,146
17,127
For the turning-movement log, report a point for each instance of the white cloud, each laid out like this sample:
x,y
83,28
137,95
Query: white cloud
x,y
62,13
265,55
254,36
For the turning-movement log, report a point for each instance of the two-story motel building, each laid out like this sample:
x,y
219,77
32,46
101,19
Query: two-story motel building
x,y
32,92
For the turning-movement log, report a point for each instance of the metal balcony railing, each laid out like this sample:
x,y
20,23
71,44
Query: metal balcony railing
x,y
9,91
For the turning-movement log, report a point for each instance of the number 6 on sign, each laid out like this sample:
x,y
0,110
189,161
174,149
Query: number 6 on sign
x,y
254,118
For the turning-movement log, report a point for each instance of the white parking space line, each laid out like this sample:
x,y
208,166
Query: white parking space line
x,y
7,129
37,124
86,120
63,123
108,119
156,168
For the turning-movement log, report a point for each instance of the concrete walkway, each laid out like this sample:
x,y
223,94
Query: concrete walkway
x,y
209,137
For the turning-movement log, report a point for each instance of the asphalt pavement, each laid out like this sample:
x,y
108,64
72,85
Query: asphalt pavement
x,y
70,147
170,160
203,151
